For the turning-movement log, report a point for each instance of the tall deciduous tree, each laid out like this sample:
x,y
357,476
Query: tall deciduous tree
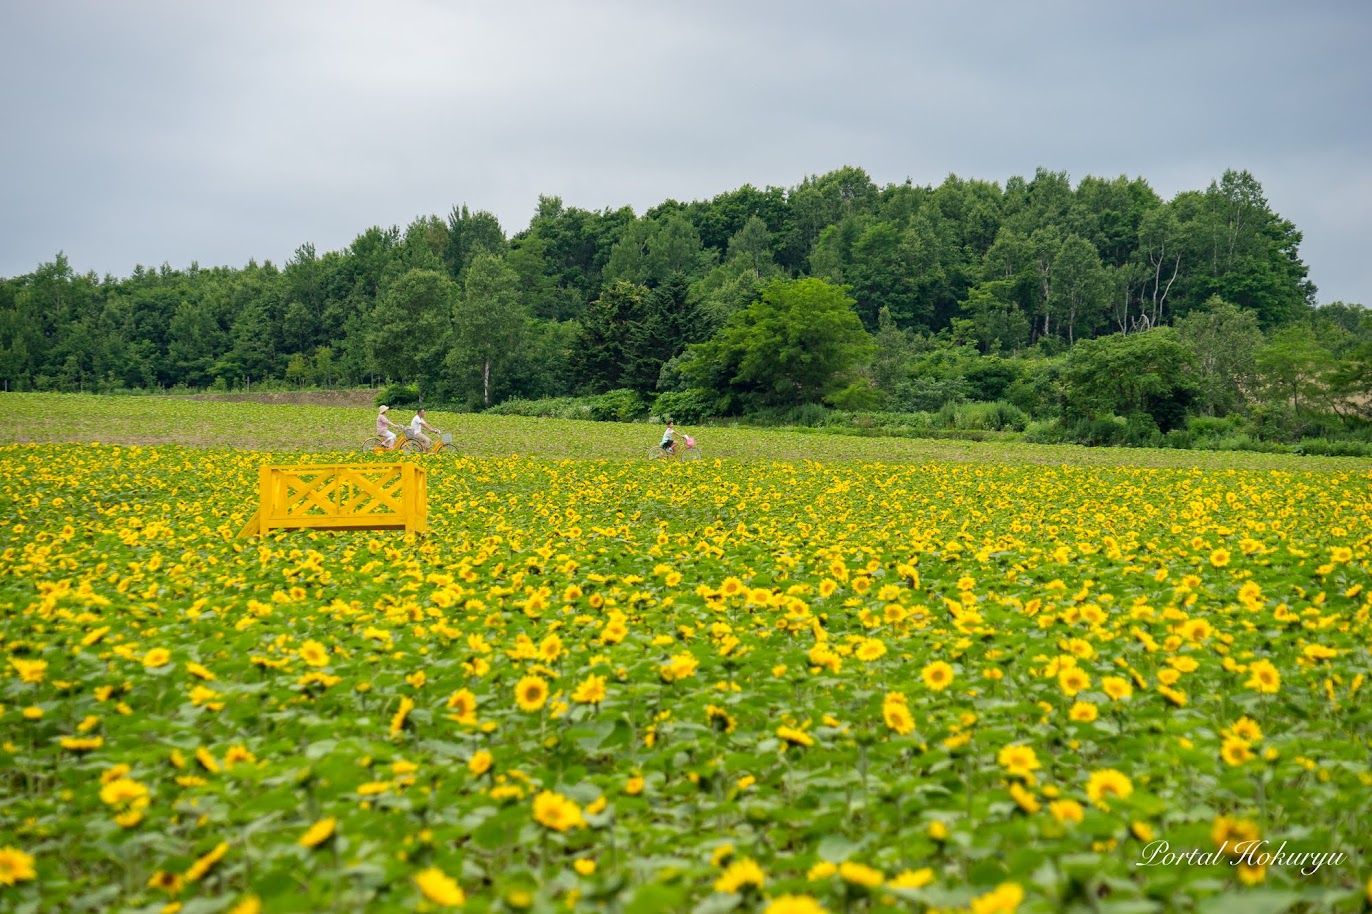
x,y
1225,340
410,327
488,325
1294,367
1080,287
469,233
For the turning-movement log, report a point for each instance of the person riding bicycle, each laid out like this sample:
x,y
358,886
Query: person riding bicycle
x,y
416,429
384,426
669,435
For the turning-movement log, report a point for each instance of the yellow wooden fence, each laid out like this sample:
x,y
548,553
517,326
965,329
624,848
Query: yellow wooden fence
x,y
390,496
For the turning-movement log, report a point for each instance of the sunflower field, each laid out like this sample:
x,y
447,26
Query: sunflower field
x,y
742,685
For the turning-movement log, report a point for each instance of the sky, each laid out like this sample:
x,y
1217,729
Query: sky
x,y
145,132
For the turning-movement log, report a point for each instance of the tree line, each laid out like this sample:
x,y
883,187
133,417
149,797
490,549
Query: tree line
x,y
836,292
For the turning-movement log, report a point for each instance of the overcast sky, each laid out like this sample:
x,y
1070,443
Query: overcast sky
x,y
142,132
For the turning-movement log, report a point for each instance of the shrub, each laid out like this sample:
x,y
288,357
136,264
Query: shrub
x,y
547,408
399,395
1325,447
999,416
1048,431
691,406
618,406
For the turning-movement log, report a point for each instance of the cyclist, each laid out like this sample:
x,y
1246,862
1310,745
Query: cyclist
x,y
669,435
384,426
416,429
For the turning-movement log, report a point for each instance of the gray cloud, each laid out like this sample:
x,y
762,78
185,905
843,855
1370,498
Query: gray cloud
x,y
150,132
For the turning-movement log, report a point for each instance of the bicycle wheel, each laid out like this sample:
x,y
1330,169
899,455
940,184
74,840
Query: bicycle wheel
x,y
371,444
656,453
412,447
690,453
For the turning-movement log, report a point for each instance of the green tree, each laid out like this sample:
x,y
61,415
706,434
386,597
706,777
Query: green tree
x,y
410,327
1293,367
254,352
603,340
1080,289
652,251
488,327
195,342
668,322
1350,382
893,349
468,234
1123,375
1225,340
998,323
799,343
752,246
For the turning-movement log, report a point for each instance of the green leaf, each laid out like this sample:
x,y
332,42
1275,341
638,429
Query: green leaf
x,y
1257,901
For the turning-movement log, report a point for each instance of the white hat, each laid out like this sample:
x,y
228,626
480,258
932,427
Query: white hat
x,y
384,408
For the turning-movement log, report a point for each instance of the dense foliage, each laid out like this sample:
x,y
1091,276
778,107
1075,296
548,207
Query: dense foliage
x,y
968,291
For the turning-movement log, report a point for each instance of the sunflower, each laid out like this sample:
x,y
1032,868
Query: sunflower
x,y
531,693
197,870
871,649
463,705
860,874
937,675
803,904
402,713
1066,810
554,811
1227,832
157,657
15,866
1117,687
794,737
741,875
896,713
1004,900
439,888
591,691
314,653
1108,783
1018,760
1263,677
719,718
318,833
1073,680
1024,799
1235,751
1084,712
1247,729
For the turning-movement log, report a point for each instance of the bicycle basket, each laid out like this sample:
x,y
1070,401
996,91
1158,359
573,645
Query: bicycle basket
x,y
447,438
690,442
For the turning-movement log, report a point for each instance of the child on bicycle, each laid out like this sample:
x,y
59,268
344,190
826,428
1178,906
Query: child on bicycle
x,y
384,426
669,439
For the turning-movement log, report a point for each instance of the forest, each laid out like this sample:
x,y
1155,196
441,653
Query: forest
x,y
1098,313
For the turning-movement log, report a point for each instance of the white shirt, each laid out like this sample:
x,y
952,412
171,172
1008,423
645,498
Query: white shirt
x,y
417,425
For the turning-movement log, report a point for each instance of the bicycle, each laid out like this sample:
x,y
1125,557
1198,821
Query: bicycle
x,y
443,444
687,450
403,443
